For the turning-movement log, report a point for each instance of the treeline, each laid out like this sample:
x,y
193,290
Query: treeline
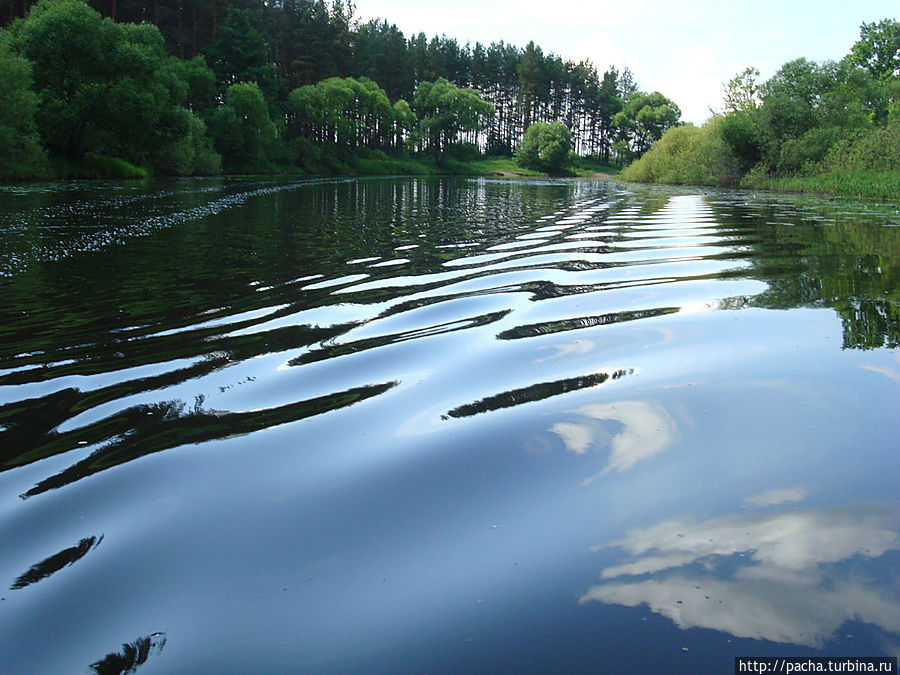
x,y
831,127
201,86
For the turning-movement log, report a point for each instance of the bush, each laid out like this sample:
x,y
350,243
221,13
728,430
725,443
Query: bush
x,y
803,155
875,150
545,147
190,152
688,155
21,154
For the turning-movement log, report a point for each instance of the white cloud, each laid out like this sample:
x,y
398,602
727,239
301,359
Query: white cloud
x,y
577,437
778,496
759,609
887,372
632,430
789,586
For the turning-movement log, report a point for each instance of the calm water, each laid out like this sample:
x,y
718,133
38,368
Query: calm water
x,y
404,425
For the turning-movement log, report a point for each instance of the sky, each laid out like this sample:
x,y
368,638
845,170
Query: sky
x,y
687,50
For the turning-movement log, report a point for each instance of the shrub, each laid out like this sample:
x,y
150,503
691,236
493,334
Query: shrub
x,y
545,147
688,155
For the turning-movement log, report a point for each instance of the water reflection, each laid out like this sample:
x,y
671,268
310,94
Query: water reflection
x,y
786,576
577,323
56,562
813,253
535,392
132,655
144,430
633,431
579,313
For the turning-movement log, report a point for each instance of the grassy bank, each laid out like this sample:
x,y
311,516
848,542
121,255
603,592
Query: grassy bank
x,y
882,185
863,165
375,164
480,166
96,166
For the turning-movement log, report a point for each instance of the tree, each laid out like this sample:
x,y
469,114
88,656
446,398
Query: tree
x,y
242,130
21,155
380,53
688,155
643,119
878,48
742,92
533,84
239,54
345,114
445,111
545,147
105,88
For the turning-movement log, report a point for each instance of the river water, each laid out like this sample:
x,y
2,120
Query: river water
x,y
444,425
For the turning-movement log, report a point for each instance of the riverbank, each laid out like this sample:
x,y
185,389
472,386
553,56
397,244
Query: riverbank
x,y
689,155
374,164
870,184
877,184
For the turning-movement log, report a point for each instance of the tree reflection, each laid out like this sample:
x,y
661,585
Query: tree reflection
x,y
56,562
144,430
549,327
824,253
132,655
535,392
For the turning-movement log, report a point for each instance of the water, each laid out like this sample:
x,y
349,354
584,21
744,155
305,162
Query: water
x,y
407,425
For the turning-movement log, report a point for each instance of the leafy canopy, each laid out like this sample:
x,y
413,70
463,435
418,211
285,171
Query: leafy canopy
x,y
446,110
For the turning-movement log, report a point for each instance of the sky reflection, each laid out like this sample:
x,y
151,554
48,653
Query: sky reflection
x,y
633,431
788,576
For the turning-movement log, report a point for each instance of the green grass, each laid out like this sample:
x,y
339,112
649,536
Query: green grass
x,y
395,167
588,166
96,166
882,185
504,166
427,166
373,164
481,166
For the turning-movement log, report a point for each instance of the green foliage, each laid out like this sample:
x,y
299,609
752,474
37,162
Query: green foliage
x,y
878,48
742,91
877,150
741,132
545,147
877,184
96,166
345,114
643,119
110,89
242,130
445,111
107,84
21,155
832,127
688,155
189,150
802,156
239,53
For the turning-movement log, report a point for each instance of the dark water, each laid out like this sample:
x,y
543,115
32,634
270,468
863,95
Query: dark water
x,y
403,425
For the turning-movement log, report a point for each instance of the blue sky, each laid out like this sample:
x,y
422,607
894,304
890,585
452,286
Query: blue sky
x,y
686,50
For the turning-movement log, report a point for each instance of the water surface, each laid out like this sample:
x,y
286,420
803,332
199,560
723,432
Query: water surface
x,y
444,425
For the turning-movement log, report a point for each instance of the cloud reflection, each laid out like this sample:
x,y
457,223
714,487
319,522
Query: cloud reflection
x,y
633,430
778,576
778,496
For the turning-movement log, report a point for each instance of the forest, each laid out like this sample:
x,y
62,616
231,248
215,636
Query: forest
x,y
829,127
196,87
